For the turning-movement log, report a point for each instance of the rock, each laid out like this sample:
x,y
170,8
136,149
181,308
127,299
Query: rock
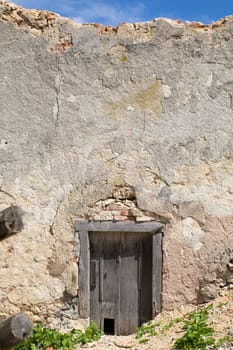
x,y
208,292
124,192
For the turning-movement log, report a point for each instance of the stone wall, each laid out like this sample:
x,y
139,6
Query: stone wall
x,y
86,108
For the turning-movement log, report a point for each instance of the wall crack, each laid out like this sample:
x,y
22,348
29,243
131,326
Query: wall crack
x,y
7,193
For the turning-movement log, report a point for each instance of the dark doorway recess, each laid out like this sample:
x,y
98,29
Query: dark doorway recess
x,y
109,326
120,273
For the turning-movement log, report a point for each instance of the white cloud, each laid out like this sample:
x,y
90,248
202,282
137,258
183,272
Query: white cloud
x,y
38,4
89,11
205,19
79,19
102,12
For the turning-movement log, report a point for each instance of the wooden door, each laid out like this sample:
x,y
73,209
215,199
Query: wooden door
x,y
104,278
120,280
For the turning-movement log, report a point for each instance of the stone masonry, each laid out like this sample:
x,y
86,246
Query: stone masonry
x,y
87,111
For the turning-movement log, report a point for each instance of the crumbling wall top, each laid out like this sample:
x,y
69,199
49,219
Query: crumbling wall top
x,y
38,21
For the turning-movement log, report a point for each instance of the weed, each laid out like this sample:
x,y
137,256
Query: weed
x,y
222,304
198,334
124,59
171,323
92,333
148,329
225,340
46,338
145,331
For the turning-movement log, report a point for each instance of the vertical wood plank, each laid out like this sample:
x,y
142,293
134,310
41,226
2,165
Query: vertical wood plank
x,y
118,302
93,272
95,253
84,275
129,294
156,273
101,279
145,306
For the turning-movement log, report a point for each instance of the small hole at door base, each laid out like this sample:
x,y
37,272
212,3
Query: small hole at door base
x,y
109,326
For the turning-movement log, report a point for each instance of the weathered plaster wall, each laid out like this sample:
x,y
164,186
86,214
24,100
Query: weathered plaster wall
x,y
84,108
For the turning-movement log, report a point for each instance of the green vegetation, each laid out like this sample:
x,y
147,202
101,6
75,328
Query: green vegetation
x,y
198,334
50,339
144,332
225,340
171,323
124,59
147,330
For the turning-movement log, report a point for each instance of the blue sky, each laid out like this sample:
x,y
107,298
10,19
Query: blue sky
x,y
114,12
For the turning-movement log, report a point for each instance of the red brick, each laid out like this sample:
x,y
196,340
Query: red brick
x,y
124,212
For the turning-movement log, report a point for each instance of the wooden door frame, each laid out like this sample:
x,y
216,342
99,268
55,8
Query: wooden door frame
x,y
82,228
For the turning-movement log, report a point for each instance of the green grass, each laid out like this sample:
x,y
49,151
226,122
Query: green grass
x,y
43,338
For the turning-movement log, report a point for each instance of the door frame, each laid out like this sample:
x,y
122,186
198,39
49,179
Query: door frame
x,y
82,229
